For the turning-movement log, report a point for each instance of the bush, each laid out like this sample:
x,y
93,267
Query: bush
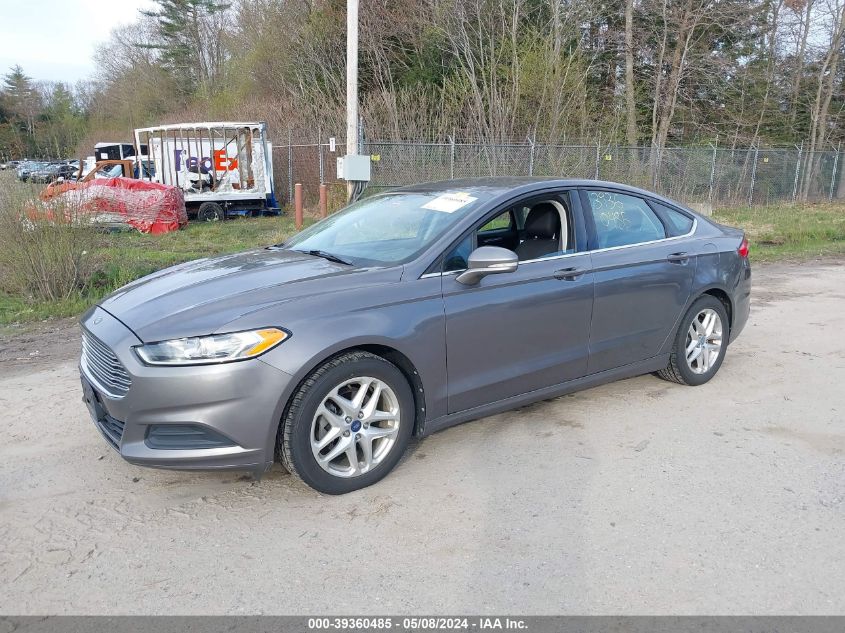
x,y
44,254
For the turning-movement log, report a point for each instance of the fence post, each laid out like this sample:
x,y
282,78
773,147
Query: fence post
x,y
530,156
833,173
320,159
451,158
598,155
655,167
753,176
712,172
290,168
797,171
320,154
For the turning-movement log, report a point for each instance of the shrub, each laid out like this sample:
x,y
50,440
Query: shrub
x,y
44,254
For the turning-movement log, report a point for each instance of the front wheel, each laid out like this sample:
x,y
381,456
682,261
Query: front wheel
x,y
700,343
348,424
211,212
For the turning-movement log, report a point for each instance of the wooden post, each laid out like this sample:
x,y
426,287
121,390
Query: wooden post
x,y
324,201
297,203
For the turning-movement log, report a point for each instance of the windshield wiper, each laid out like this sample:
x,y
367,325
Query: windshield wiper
x,y
328,256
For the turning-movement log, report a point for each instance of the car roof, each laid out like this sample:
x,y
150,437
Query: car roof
x,y
495,186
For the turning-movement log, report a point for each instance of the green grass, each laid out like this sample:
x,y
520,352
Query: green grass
x,y
789,232
126,255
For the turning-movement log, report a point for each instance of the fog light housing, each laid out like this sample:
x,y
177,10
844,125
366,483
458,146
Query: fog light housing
x,y
184,437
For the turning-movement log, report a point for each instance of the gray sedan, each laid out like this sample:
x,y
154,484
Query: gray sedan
x,y
406,313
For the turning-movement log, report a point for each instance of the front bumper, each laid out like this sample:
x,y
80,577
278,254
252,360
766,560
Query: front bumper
x,y
237,404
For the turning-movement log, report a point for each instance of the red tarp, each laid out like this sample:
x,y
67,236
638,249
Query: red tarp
x,y
147,206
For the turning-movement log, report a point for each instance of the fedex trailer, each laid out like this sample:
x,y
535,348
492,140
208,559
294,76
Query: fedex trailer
x,y
223,168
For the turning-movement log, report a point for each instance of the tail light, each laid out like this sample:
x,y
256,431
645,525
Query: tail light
x,y
743,247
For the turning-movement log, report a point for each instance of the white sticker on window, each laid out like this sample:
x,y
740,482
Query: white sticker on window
x,y
449,202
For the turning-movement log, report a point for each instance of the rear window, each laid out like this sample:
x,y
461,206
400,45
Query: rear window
x,y
677,223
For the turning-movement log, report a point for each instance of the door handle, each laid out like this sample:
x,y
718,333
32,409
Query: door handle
x,y
678,258
569,274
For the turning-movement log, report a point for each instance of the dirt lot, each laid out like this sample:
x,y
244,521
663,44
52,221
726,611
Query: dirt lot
x,y
638,497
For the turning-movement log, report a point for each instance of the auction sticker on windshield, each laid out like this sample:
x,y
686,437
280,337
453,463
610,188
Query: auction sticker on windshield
x,y
449,202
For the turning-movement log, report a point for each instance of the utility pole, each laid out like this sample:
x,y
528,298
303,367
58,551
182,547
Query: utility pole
x,y
351,84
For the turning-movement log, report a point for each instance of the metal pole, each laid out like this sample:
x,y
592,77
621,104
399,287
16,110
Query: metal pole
x,y
290,168
531,156
712,172
753,176
598,151
833,173
351,83
451,158
797,171
655,167
320,155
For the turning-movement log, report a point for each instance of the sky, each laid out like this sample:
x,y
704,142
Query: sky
x,y
54,40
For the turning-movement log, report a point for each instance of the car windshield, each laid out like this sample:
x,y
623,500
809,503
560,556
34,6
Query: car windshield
x,y
110,172
387,229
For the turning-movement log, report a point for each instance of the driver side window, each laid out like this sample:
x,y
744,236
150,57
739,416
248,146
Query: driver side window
x,y
533,229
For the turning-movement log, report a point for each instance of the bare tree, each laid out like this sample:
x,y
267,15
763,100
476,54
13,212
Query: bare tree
x,y
797,6
826,78
630,96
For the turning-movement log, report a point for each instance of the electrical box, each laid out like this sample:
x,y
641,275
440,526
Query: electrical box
x,y
353,167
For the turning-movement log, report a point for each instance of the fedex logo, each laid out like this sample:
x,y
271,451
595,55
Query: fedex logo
x,y
218,160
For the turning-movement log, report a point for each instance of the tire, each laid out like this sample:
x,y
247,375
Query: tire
x,y
211,212
698,371
331,389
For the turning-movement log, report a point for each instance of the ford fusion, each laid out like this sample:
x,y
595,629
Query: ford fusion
x,y
406,313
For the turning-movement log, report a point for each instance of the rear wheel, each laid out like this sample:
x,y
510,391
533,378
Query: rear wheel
x,y
700,343
211,212
348,424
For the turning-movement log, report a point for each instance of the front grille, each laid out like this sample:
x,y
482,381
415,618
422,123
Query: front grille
x,y
104,366
112,429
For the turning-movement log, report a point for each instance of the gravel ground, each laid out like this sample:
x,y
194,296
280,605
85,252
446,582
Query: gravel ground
x,y
639,497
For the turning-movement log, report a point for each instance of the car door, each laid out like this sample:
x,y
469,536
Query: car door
x,y
642,273
516,332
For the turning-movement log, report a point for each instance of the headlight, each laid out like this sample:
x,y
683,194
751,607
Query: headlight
x,y
215,348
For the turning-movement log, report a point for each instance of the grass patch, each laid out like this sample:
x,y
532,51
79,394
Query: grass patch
x,y
791,232
121,257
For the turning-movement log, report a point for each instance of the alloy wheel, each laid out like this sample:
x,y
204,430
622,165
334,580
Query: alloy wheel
x,y
704,341
355,427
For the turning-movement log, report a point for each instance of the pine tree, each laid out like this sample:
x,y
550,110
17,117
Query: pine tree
x,y
189,39
21,105
22,100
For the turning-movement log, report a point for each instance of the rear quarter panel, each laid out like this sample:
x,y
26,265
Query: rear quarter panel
x,y
720,267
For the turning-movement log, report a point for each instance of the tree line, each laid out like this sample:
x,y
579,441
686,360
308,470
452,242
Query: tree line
x,y
632,72
39,119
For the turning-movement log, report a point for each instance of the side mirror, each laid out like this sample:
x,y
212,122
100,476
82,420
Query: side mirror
x,y
488,260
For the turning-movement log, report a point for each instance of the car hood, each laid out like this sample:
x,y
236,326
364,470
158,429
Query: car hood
x,y
204,296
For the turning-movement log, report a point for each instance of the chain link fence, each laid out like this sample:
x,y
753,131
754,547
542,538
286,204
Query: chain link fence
x,y
695,175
